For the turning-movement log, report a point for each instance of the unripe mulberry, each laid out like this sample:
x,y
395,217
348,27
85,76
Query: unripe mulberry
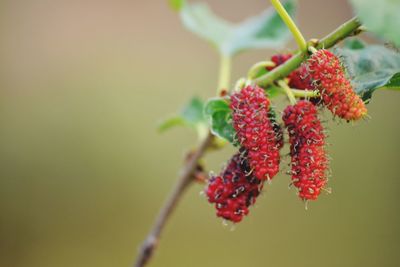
x,y
307,149
234,190
336,90
255,131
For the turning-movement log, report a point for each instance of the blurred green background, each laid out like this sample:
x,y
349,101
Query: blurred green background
x,y
84,172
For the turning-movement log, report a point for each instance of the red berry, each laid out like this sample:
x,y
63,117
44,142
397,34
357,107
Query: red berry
x,y
234,190
307,149
255,131
336,90
279,59
299,78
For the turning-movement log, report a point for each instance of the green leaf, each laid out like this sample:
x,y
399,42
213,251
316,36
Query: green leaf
x,y
193,112
381,17
394,83
220,118
354,43
191,116
176,5
266,30
370,67
171,123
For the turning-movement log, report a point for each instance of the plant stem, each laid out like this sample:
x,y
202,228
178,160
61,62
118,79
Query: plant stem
x,y
281,71
304,93
347,29
224,73
287,91
259,66
312,49
186,176
298,37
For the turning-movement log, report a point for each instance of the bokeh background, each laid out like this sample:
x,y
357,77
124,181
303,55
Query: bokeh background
x,y
83,171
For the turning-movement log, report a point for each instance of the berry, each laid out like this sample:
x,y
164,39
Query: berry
x,y
279,59
336,90
255,131
234,190
307,149
299,78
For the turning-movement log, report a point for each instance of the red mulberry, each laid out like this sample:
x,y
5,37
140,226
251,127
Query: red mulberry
x,y
255,131
299,78
279,59
336,90
234,190
307,149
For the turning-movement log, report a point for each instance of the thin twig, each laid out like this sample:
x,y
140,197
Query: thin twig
x,y
150,243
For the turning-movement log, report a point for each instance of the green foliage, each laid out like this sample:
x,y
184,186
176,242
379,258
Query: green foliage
x,y
381,17
370,66
220,118
394,83
176,5
354,43
191,116
266,30
274,91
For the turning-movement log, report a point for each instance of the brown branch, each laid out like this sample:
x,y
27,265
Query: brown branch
x,y
147,249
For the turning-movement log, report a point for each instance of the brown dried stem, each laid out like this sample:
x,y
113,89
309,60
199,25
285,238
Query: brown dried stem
x,y
185,178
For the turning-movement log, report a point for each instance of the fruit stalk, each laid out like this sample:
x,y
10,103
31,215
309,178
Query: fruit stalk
x,y
298,37
149,245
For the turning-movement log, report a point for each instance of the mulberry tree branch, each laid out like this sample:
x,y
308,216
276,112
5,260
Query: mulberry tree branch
x,y
186,176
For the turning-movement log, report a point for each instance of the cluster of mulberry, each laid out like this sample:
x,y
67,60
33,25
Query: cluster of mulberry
x,y
234,190
260,136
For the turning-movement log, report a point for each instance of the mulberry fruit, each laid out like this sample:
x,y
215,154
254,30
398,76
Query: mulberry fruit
x,y
234,190
255,131
307,149
336,90
299,78
279,59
